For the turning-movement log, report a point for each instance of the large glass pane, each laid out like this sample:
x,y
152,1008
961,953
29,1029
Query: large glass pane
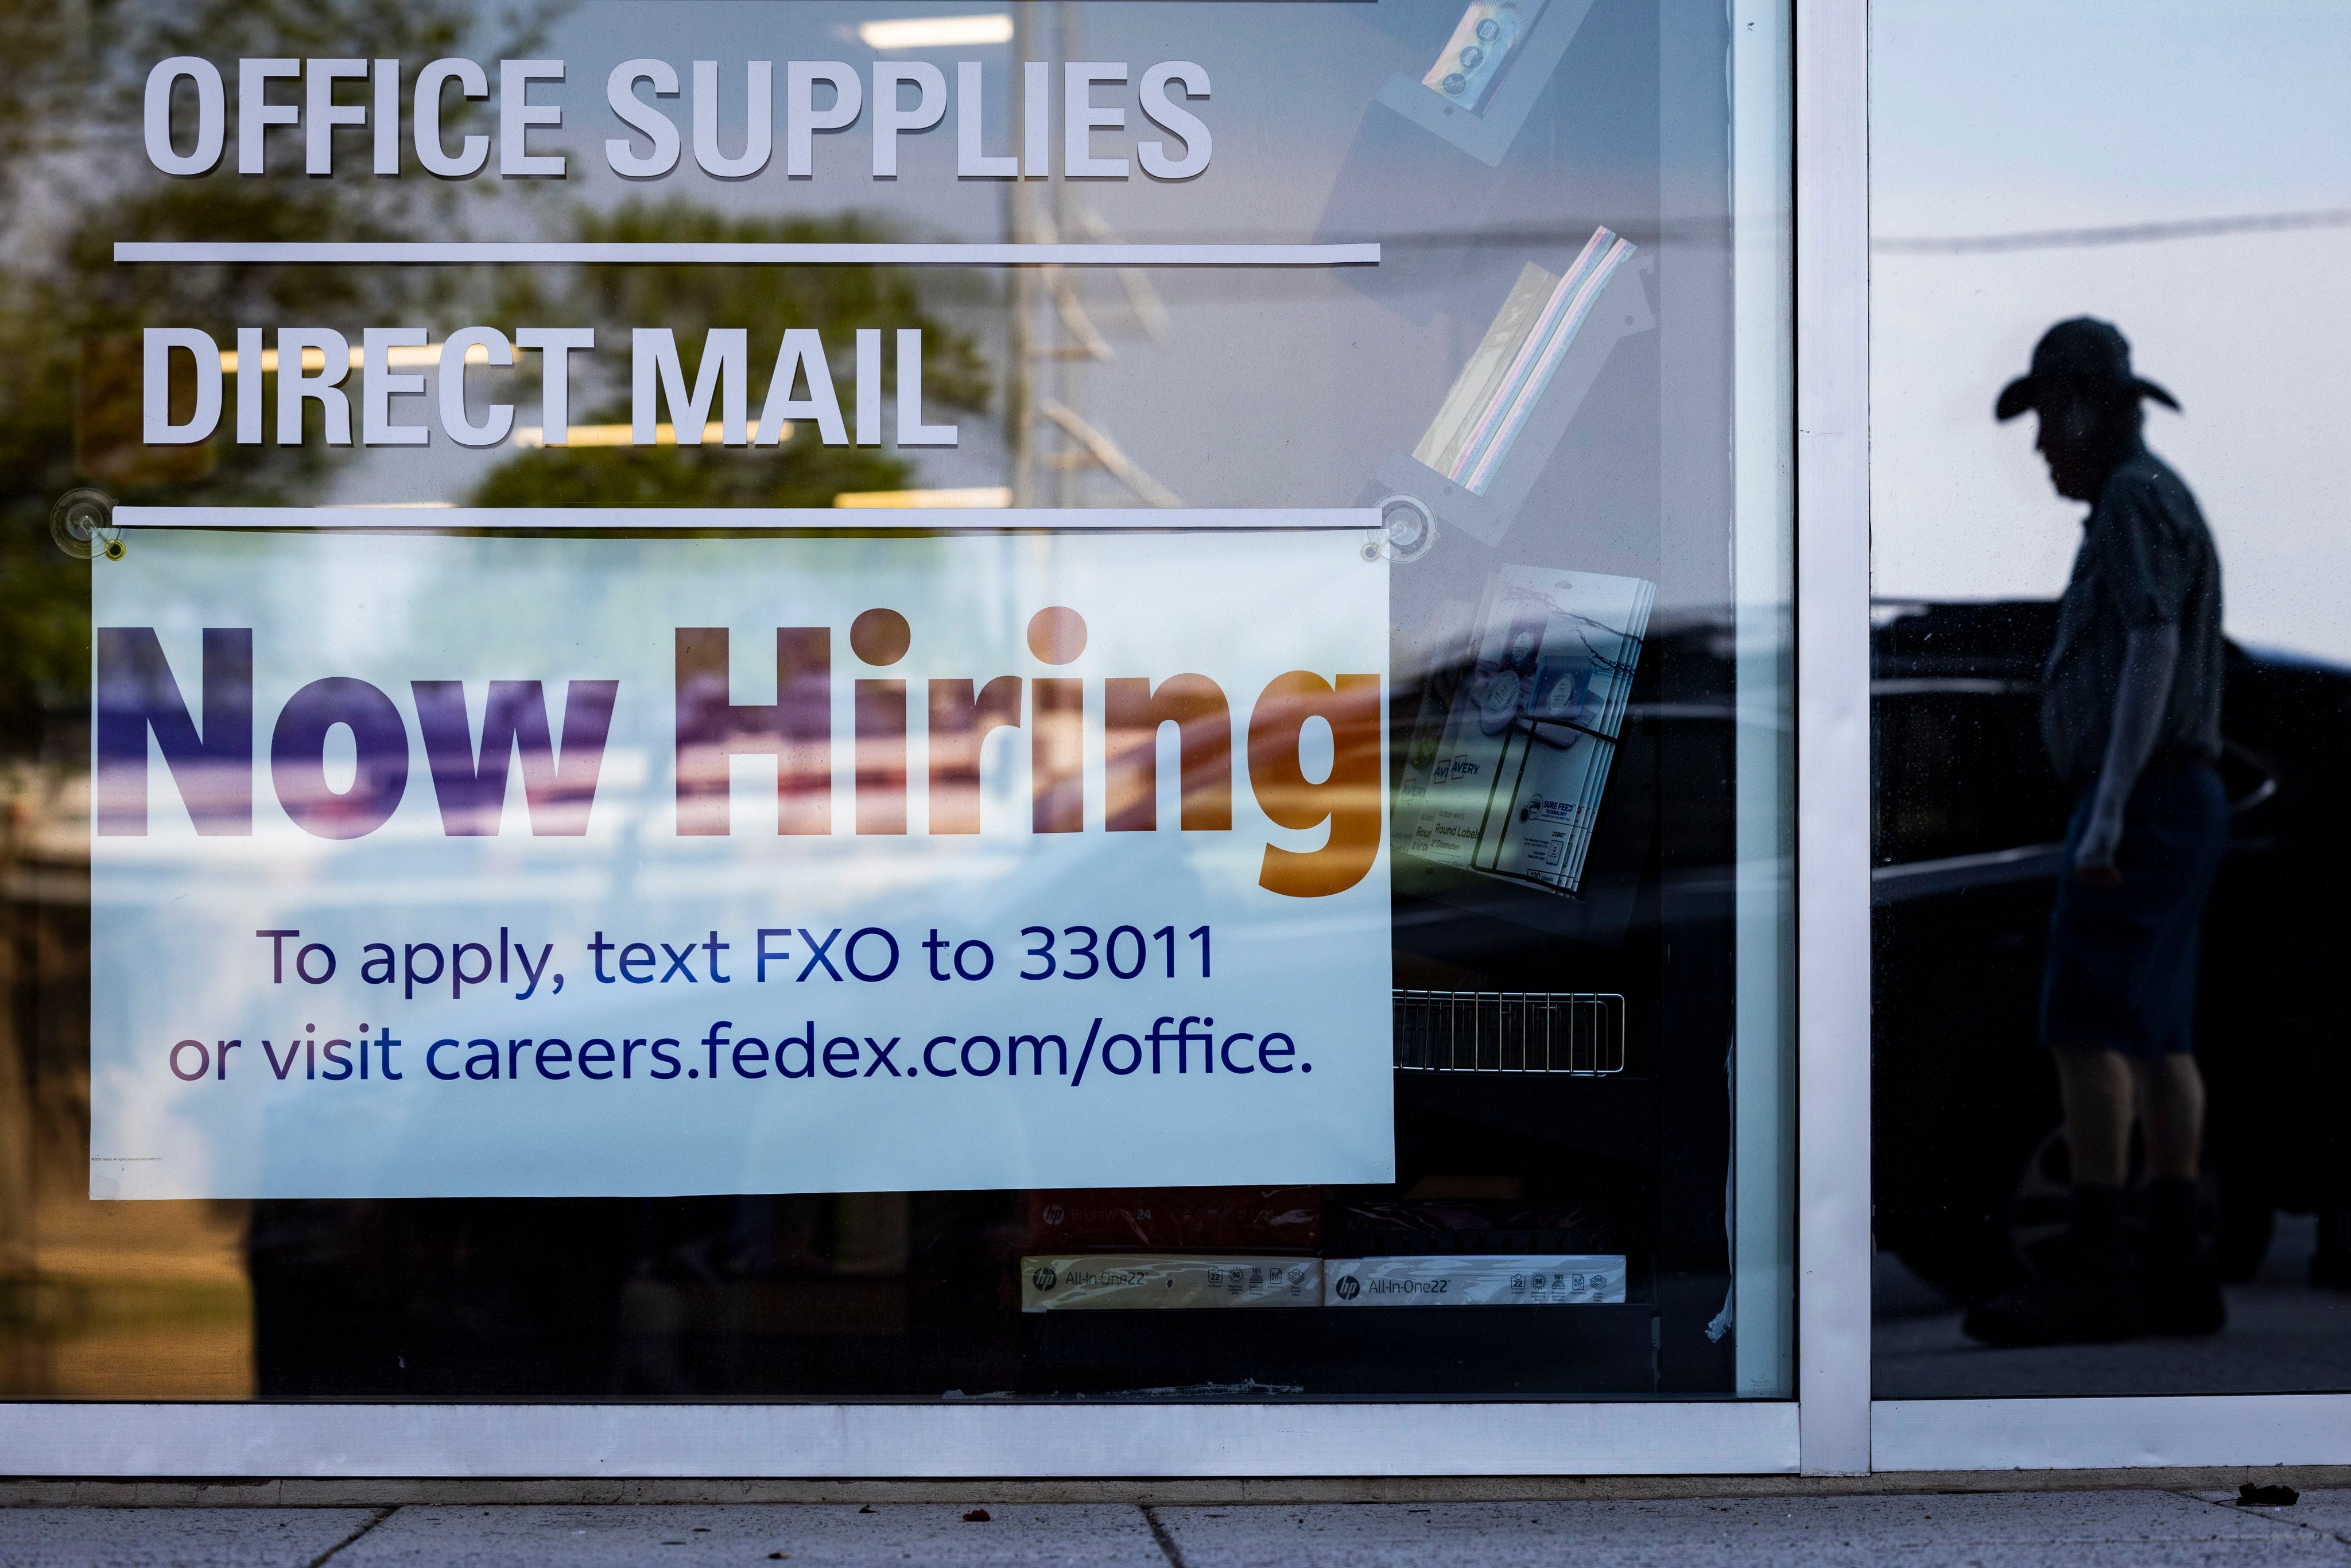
x,y
1258,868
2110,666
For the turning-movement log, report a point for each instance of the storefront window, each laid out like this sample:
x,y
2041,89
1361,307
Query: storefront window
x,y
2110,678
835,701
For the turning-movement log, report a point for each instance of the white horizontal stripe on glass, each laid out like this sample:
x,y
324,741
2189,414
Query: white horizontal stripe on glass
x,y
549,252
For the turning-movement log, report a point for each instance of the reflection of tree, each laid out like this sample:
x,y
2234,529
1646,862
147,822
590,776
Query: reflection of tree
x,y
152,1304
74,179
835,301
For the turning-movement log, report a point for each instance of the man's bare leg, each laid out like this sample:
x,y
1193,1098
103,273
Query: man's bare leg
x,y
2096,1085
2171,1110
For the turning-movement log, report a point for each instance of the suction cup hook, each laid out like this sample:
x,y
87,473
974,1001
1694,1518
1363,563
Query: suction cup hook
x,y
1406,530
82,524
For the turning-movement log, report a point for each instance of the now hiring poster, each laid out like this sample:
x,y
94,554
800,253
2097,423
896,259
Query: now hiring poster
x,y
473,863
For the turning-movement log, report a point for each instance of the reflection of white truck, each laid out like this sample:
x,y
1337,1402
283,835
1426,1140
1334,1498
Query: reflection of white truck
x,y
1508,766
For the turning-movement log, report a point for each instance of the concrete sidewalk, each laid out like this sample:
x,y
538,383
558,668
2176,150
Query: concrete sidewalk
x,y
2077,1529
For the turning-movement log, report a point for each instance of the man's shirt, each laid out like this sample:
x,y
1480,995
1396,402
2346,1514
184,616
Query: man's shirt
x,y
2146,559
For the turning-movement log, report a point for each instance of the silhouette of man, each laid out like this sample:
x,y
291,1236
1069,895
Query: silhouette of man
x,y
2130,713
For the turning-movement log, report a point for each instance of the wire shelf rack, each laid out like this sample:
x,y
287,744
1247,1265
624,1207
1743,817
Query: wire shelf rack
x,y
1574,1032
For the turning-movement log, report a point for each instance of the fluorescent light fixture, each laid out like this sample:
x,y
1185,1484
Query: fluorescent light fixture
x,y
978,495
713,435
401,356
937,32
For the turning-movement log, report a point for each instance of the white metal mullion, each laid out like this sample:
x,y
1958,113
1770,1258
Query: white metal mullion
x,y
1832,244
1763,583
939,1438
2115,1432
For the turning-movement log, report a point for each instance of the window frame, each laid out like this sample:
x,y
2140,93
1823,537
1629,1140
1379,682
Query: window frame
x,y
1825,1430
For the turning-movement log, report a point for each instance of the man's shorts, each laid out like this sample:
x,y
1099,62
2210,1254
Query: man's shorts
x,y
2122,960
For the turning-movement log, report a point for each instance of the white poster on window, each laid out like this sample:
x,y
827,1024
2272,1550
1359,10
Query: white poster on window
x,y
428,865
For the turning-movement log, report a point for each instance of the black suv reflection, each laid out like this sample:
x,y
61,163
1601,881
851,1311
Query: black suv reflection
x,y
1968,820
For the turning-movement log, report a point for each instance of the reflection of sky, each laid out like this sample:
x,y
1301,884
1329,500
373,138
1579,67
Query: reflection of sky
x,y
1281,133
1270,117
1276,388
2000,117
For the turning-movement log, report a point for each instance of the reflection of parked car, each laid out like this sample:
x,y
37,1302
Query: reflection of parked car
x,y
1971,1165
1611,1140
